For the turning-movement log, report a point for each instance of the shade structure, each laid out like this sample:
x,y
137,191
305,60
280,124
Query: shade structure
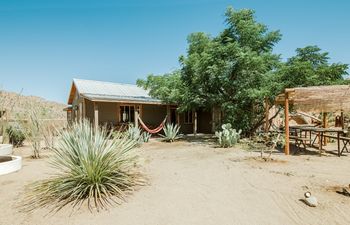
x,y
318,98
314,99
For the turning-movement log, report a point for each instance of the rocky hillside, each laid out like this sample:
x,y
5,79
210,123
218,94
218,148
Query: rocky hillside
x,y
19,106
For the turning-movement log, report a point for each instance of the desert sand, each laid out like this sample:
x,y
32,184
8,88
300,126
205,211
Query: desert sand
x,y
196,183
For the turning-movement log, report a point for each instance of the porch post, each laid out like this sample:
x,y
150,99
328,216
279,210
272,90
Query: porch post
x,y
96,114
286,124
195,123
80,112
136,116
213,120
84,109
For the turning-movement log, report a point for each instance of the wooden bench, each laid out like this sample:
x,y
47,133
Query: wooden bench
x,y
299,141
346,141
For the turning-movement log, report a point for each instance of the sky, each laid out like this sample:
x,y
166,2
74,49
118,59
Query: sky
x,y
44,44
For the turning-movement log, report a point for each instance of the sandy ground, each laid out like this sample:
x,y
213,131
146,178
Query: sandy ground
x,y
195,183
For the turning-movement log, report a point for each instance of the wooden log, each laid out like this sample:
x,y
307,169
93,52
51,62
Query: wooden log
x,y
286,113
195,123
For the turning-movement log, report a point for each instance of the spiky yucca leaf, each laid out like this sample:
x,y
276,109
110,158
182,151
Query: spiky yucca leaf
x,y
90,166
171,132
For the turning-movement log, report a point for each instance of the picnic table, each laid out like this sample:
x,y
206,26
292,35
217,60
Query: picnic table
x,y
321,133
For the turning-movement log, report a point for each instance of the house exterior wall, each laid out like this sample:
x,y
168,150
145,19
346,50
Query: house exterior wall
x,y
185,128
153,115
108,113
204,118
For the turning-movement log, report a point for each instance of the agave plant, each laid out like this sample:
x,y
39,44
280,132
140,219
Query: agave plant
x,y
171,132
228,136
91,167
136,134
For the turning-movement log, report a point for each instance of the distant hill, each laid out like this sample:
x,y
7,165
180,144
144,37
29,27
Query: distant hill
x,y
19,106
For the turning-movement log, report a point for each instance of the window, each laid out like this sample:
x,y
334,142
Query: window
x,y
127,114
188,118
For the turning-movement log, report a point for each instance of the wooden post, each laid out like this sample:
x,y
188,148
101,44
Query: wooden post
x,y
195,123
325,125
267,115
286,124
213,120
96,114
136,115
84,108
168,114
342,120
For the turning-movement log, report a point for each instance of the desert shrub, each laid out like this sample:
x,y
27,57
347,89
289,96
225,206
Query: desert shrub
x,y
49,132
136,134
171,132
91,166
228,136
16,134
34,133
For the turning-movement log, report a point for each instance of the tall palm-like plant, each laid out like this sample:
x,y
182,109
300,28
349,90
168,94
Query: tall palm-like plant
x,y
90,166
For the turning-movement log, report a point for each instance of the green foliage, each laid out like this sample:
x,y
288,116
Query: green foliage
x,y
16,134
145,136
228,137
136,134
171,132
237,71
90,166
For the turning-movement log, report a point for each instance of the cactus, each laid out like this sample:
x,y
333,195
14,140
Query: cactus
x,y
228,136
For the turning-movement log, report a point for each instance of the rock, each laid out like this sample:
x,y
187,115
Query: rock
x,y
310,200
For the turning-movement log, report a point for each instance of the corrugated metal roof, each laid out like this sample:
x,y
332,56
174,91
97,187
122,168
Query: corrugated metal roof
x,y
100,90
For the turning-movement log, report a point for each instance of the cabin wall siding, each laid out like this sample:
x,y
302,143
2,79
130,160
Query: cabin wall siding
x,y
153,115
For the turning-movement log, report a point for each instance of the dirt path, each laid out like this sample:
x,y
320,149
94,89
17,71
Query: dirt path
x,y
197,184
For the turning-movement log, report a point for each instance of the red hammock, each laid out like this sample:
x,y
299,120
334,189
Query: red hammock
x,y
154,131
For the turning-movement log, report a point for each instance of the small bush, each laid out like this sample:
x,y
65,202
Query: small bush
x,y
136,134
16,134
228,136
91,167
171,132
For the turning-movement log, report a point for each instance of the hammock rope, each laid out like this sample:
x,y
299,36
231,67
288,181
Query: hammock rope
x,y
152,131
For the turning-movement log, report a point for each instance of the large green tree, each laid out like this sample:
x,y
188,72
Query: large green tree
x,y
237,71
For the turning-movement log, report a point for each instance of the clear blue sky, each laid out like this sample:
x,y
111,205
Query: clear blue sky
x,y
46,43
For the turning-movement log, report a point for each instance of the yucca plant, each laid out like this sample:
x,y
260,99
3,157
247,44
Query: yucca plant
x,y
91,167
171,132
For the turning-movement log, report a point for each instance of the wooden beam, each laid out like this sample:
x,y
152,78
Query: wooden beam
x,y
195,123
213,120
267,115
96,114
136,115
325,125
286,124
